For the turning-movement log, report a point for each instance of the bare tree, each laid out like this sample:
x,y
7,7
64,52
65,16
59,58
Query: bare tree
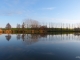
x,y
23,25
18,25
30,23
8,26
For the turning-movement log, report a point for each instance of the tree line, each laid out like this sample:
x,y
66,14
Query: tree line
x,y
27,23
30,23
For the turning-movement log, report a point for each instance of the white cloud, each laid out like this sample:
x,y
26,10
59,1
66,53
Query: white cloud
x,y
61,20
30,2
78,57
49,8
10,13
12,3
16,1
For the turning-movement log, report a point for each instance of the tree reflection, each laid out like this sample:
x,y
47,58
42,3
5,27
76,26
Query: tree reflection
x,y
78,34
31,38
8,37
18,36
23,37
43,35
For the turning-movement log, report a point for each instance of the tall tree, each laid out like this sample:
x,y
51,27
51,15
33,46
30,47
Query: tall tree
x,y
30,23
23,25
18,25
8,26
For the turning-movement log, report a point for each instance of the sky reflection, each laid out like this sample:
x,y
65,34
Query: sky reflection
x,y
39,47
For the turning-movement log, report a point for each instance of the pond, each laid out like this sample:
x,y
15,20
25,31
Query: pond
x,y
40,47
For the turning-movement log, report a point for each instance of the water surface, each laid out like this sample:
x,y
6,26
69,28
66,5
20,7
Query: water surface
x,y
40,47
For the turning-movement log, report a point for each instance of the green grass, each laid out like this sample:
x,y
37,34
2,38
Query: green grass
x,y
49,30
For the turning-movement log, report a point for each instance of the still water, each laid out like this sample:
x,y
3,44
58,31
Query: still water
x,y
40,47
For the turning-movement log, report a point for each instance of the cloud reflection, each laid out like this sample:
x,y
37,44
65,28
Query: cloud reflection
x,y
78,57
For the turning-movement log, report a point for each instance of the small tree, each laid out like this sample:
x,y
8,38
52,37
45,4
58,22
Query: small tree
x,y
8,26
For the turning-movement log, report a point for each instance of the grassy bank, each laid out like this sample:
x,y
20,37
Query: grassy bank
x,y
38,30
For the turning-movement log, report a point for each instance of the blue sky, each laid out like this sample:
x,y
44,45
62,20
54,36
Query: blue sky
x,y
56,11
